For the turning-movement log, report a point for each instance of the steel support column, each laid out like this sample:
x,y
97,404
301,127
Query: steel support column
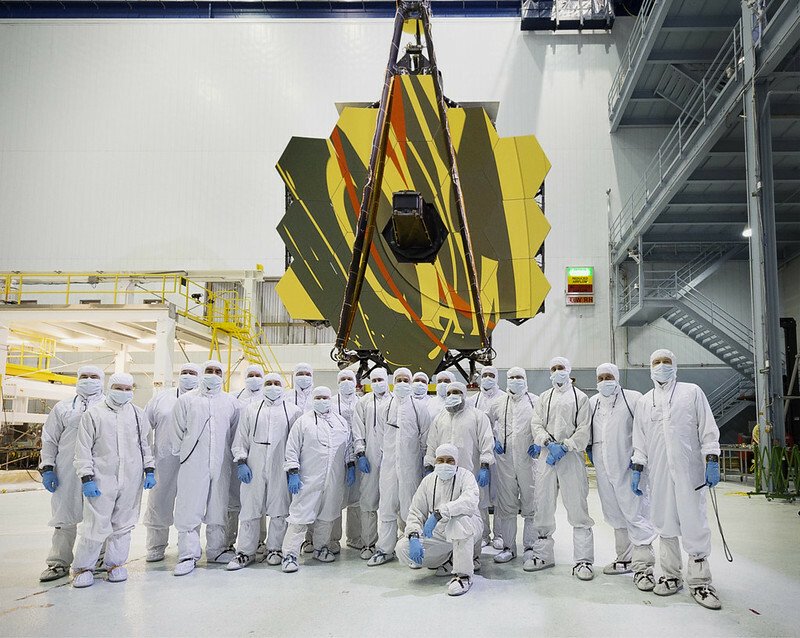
x,y
164,352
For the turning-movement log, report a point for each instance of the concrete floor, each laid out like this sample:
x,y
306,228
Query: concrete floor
x,y
760,590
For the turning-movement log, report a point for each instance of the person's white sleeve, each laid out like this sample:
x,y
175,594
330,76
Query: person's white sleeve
x,y
467,502
495,417
485,439
707,430
293,446
433,441
87,433
359,439
580,437
150,418
238,407
294,414
418,511
144,441
51,436
424,429
540,435
179,425
640,421
240,448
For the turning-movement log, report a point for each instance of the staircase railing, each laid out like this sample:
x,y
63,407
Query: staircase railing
x,y
724,397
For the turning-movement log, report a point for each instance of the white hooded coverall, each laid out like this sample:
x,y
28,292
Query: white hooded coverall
x,y
369,423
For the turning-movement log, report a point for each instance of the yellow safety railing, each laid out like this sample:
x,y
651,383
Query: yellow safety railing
x,y
28,349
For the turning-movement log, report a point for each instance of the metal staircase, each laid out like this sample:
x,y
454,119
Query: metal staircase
x,y
676,87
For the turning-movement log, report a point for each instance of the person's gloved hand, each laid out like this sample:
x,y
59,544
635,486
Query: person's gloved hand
x,y
556,452
712,473
363,465
636,476
294,483
415,550
589,454
428,469
430,525
483,477
90,489
498,449
534,450
351,475
149,480
50,480
245,475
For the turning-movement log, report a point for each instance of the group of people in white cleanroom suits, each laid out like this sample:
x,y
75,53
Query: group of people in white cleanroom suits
x,y
416,473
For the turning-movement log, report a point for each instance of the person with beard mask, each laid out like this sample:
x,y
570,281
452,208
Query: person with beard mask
x,y
404,439
205,421
159,414
259,451
510,417
676,442
59,434
369,423
489,393
467,428
436,402
444,525
319,465
561,424
610,450
300,395
114,461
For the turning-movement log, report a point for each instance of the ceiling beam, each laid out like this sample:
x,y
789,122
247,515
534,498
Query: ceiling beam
x,y
682,56
701,23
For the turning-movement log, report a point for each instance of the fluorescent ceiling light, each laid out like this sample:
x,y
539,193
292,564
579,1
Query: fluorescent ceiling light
x,y
83,341
147,340
747,232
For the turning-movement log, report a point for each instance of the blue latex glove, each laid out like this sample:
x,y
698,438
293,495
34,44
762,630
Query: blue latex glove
x,y
498,449
245,475
149,481
415,550
351,475
363,465
294,483
712,473
483,477
534,450
589,454
556,452
636,476
430,525
50,481
90,489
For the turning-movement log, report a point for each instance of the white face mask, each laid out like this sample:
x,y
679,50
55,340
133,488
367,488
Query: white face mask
x,y
379,387
607,388
188,382
517,386
254,384
88,387
453,400
420,388
559,377
303,381
347,386
402,389
488,383
273,392
120,397
441,389
322,406
212,382
445,471
663,372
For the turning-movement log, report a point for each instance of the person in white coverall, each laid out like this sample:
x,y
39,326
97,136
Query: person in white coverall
x,y
344,404
561,423
404,439
489,392
436,402
369,423
319,465
676,444
204,424
59,434
444,526
610,449
419,388
259,451
114,461
159,413
303,382
514,469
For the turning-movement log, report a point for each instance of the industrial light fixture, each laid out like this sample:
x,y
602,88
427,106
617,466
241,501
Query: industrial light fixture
x,y
747,232
147,340
83,341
